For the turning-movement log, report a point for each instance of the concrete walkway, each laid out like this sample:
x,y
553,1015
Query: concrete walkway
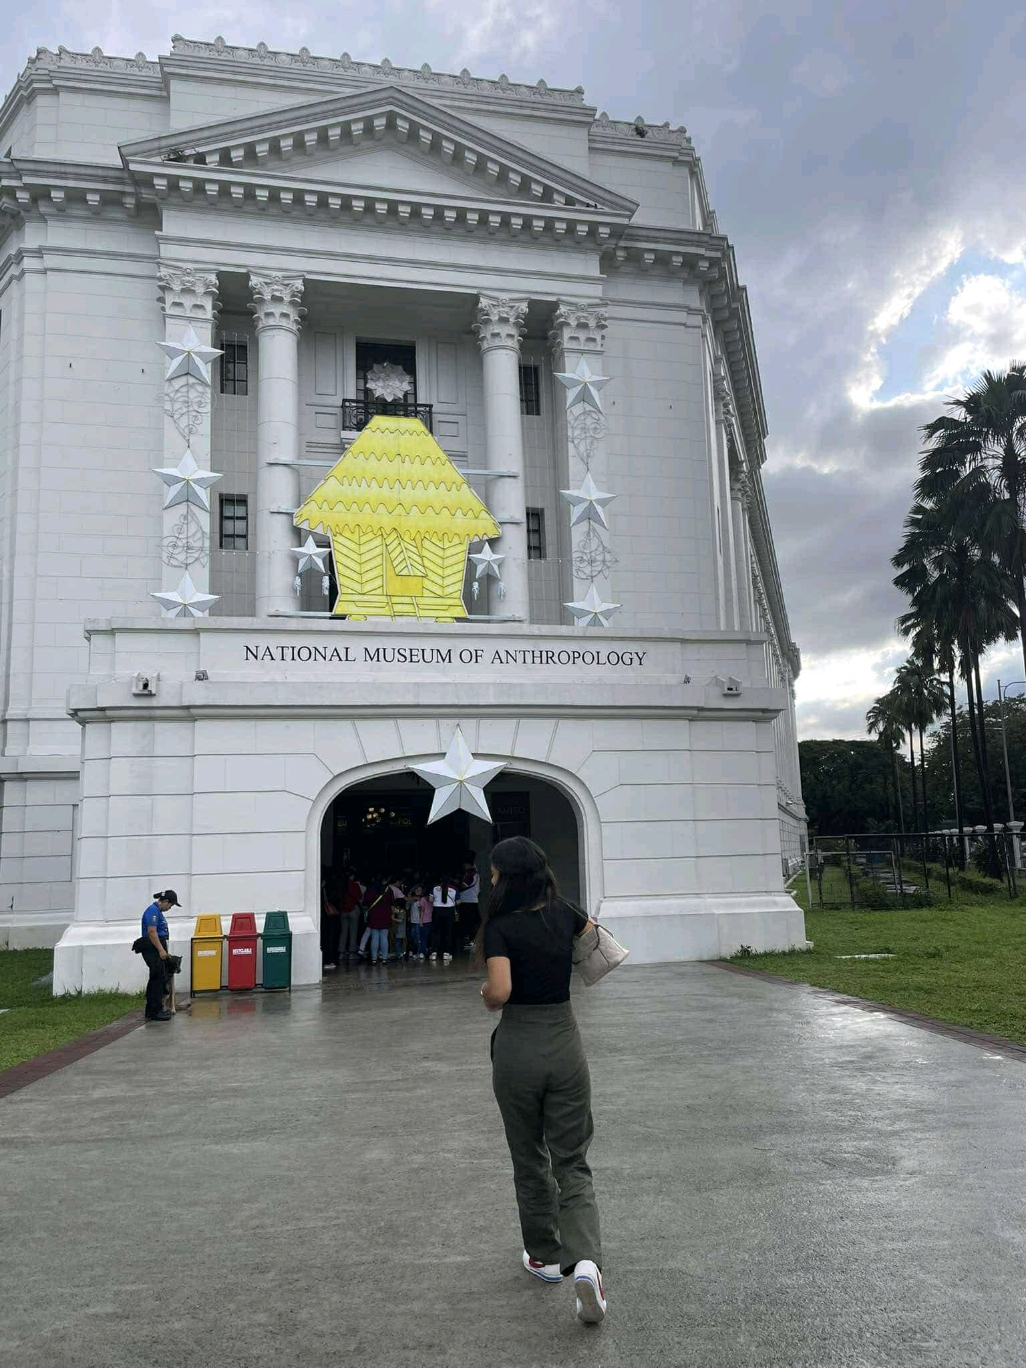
x,y
322,1180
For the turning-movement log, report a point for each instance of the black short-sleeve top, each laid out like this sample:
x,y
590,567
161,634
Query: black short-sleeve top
x,y
539,947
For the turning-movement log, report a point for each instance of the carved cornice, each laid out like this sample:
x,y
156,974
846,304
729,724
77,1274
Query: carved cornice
x,y
188,292
276,301
303,62
639,135
500,322
579,326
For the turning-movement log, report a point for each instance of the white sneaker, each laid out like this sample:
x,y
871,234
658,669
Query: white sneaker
x,y
591,1301
420,957
547,1272
447,959
434,957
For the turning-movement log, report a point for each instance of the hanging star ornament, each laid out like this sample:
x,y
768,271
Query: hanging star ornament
x,y
459,780
187,484
186,600
588,504
591,611
189,357
582,385
311,556
486,563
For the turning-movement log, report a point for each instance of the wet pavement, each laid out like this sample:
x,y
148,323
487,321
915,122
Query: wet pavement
x,y
320,1179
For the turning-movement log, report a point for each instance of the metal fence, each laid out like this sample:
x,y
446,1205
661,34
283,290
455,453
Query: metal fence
x,y
875,870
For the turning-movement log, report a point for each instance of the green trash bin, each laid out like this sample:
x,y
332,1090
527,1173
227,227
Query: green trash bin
x,y
277,952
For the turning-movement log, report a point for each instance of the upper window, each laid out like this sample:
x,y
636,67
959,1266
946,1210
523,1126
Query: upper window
x,y
386,374
530,391
234,367
234,522
536,534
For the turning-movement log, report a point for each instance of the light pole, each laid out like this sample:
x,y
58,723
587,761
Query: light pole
x,y
1002,695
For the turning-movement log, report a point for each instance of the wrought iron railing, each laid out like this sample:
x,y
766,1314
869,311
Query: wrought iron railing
x,y
357,413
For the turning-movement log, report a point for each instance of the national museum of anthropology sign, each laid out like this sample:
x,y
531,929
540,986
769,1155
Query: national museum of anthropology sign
x,y
359,418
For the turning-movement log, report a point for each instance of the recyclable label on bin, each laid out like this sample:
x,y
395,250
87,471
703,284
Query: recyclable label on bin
x,y
274,949
200,954
244,950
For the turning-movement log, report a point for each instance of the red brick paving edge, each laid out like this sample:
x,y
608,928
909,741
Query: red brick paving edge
x,y
965,1034
32,1070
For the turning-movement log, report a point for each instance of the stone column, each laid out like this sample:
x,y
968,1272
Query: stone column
x,y
277,312
579,334
739,497
499,326
189,298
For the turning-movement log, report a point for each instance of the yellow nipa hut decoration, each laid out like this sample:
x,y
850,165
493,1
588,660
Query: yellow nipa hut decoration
x,y
401,519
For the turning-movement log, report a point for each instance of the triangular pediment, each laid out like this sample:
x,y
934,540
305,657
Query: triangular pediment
x,y
384,138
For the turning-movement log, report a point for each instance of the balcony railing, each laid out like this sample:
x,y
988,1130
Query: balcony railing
x,y
357,413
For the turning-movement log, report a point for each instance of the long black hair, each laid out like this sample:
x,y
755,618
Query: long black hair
x,y
525,883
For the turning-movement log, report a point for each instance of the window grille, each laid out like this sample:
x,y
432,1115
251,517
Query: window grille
x,y
234,522
530,391
536,534
234,367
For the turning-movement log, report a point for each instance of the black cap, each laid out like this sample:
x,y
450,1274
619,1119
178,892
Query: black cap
x,y
170,896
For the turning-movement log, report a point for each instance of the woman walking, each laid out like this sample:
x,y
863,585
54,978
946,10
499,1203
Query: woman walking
x,y
539,1070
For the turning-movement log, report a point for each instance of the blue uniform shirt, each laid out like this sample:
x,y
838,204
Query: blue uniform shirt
x,y
154,917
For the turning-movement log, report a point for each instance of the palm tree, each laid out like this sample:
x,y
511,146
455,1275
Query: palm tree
x,y
920,696
882,722
959,603
974,464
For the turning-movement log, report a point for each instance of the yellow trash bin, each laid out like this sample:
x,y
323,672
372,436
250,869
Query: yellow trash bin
x,y
207,940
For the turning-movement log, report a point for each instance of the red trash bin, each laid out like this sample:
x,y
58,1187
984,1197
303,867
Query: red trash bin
x,y
242,950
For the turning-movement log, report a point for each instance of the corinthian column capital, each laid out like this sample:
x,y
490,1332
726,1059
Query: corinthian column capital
x,y
188,293
276,301
579,326
500,322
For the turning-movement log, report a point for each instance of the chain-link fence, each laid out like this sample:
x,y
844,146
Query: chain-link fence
x,y
873,870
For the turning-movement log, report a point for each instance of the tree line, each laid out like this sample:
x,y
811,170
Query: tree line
x,y
962,567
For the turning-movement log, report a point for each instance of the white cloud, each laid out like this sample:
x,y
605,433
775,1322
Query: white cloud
x,y
844,682
989,317
514,32
933,259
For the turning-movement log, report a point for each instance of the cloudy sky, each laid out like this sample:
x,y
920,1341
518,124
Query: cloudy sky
x,y
867,159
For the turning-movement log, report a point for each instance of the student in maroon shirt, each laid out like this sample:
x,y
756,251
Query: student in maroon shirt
x,y
350,915
379,918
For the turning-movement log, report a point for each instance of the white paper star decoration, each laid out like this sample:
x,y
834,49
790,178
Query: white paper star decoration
x,y
590,610
187,484
459,780
486,563
311,556
588,504
186,600
582,385
189,357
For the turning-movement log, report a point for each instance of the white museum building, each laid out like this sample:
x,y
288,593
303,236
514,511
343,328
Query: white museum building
x,y
377,444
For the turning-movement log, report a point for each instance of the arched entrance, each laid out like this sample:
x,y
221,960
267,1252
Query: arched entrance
x,y
378,828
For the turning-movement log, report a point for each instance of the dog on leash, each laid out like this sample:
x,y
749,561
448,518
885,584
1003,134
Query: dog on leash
x,y
172,967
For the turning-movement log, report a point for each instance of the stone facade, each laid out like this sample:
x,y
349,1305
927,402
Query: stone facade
x,y
302,216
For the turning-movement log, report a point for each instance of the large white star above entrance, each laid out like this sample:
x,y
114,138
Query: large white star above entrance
x,y
486,562
588,504
582,385
189,357
459,780
186,600
187,484
590,610
311,556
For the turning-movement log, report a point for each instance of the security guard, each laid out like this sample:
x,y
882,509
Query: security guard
x,y
154,952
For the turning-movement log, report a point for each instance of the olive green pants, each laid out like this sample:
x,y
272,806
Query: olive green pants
x,y
543,1088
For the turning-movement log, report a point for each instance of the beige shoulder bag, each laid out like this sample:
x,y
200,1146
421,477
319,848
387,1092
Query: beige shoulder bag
x,y
596,953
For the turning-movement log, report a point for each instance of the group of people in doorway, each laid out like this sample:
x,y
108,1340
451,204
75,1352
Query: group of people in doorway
x,y
408,918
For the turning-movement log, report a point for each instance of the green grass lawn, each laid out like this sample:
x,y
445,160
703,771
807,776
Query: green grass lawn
x,y
36,1021
959,962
